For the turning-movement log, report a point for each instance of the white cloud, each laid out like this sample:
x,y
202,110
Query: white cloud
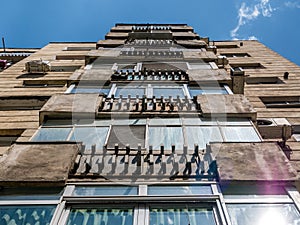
x,y
252,38
292,4
249,12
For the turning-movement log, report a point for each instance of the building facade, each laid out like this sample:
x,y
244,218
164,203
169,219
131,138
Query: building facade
x,y
155,125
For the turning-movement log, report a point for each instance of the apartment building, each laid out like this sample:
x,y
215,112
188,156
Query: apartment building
x,y
154,125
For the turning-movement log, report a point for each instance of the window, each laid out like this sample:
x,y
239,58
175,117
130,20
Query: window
x,y
20,214
166,136
149,90
159,91
89,89
52,134
153,132
130,91
199,207
90,135
28,205
239,134
263,80
236,54
202,136
248,214
179,190
226,45
182,215
222,90
103,216
120,135
245,66
83,131
78,48
281,102
105,190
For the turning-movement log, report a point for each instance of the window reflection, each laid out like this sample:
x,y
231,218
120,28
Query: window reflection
x,y
52,134
179,190
166,92
261,214
182,216
133,92
29,215
101,216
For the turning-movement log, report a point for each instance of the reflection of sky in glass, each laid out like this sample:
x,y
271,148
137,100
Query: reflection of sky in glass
x,y
202,136
133,92
166,92
26,214
179,190
182,216
90,136
166,136
242,134
108,216
105,191
220,90
262,214
52,134
90,90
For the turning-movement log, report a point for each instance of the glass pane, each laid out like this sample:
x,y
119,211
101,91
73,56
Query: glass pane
x,y
133,92
123,135
166,136
52,134
166,92
240,134
32,193
90,90
101,216
207,91
28,215
165,121
262,214
202,136
182,216
90,136
179,190
104,190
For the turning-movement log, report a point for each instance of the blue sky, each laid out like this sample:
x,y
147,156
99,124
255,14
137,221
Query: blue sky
x,y
34,23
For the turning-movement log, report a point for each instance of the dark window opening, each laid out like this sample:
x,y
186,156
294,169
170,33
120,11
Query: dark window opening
x,y
281,102
263,80
246,66
123,135
234,55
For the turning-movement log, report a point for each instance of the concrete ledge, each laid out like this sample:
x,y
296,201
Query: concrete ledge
x,y
70,105
37,164
236,105
252,162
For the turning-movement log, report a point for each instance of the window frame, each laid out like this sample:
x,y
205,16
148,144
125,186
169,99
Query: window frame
x,y
56,203
218,123
142,201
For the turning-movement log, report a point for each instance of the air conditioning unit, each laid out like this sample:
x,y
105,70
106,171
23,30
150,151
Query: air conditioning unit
x,y
271,128
37,66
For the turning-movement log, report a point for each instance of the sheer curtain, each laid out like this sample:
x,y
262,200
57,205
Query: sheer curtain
x,y
181,216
